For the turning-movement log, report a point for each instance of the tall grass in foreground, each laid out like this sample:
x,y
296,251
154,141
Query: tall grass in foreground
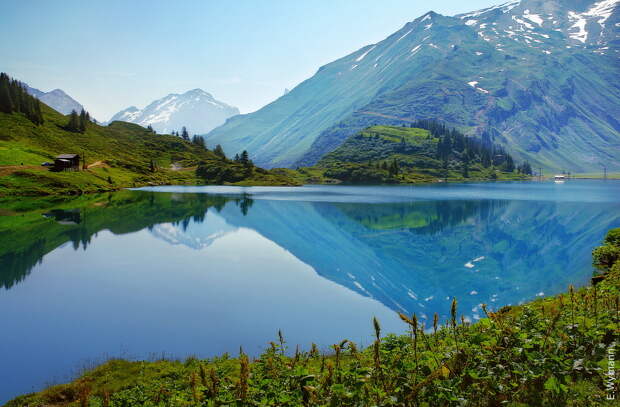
x,y
550,352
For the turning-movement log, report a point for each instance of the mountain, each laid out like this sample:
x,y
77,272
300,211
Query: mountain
x,y
119,155
57,99
541,76
196,109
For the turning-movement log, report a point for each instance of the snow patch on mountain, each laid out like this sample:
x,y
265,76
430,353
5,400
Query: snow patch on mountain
x,y
364,54
602,10
579,24
474,84
506,7
535,18
599,12
404,35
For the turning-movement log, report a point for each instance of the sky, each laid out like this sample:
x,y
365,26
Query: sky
x,y
112,54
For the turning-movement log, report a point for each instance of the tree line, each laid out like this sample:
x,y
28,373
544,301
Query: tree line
x,y
184,134
78,122
242,158
15,99
455,145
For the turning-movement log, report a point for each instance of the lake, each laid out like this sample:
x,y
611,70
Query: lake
x,y
179,271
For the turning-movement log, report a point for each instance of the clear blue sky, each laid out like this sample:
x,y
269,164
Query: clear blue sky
x,y
112,54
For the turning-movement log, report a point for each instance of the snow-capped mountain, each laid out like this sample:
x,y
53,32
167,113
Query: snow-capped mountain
x,y
542,76
542,24
196,109
57,99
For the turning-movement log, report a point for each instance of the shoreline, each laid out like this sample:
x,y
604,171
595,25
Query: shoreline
x,y
77,192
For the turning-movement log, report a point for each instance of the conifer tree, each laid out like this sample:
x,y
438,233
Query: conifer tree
x,y
82,121
15,99
184,134
74,122
244,158
219,151
38,114
199,141
6,102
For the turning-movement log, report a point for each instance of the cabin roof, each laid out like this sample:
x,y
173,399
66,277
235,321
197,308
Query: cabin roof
x,y
66,156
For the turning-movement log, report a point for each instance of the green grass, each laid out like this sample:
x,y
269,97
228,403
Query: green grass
x,y
396,134
553,351
124,151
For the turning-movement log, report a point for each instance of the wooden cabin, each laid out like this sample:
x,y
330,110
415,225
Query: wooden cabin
x,y
67,162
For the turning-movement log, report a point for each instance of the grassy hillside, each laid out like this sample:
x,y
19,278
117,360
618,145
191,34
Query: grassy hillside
x,y
550,352
118,155
370,156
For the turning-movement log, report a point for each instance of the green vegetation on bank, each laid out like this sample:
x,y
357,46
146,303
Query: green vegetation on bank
x,y
115,156
549,352
426,152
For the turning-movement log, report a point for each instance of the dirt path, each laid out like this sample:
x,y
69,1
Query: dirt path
x,y
98,164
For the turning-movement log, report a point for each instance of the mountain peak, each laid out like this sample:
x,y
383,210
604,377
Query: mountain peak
x,y
57,99
197,91
429,15
534,73
195,109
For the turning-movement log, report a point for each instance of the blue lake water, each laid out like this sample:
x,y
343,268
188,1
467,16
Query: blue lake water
x,y
200,271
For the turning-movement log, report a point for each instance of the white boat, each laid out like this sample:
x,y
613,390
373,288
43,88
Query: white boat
x,y
559,179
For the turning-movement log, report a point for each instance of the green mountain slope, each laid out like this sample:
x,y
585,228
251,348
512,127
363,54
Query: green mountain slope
x,y
523,71
392,154
118,155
